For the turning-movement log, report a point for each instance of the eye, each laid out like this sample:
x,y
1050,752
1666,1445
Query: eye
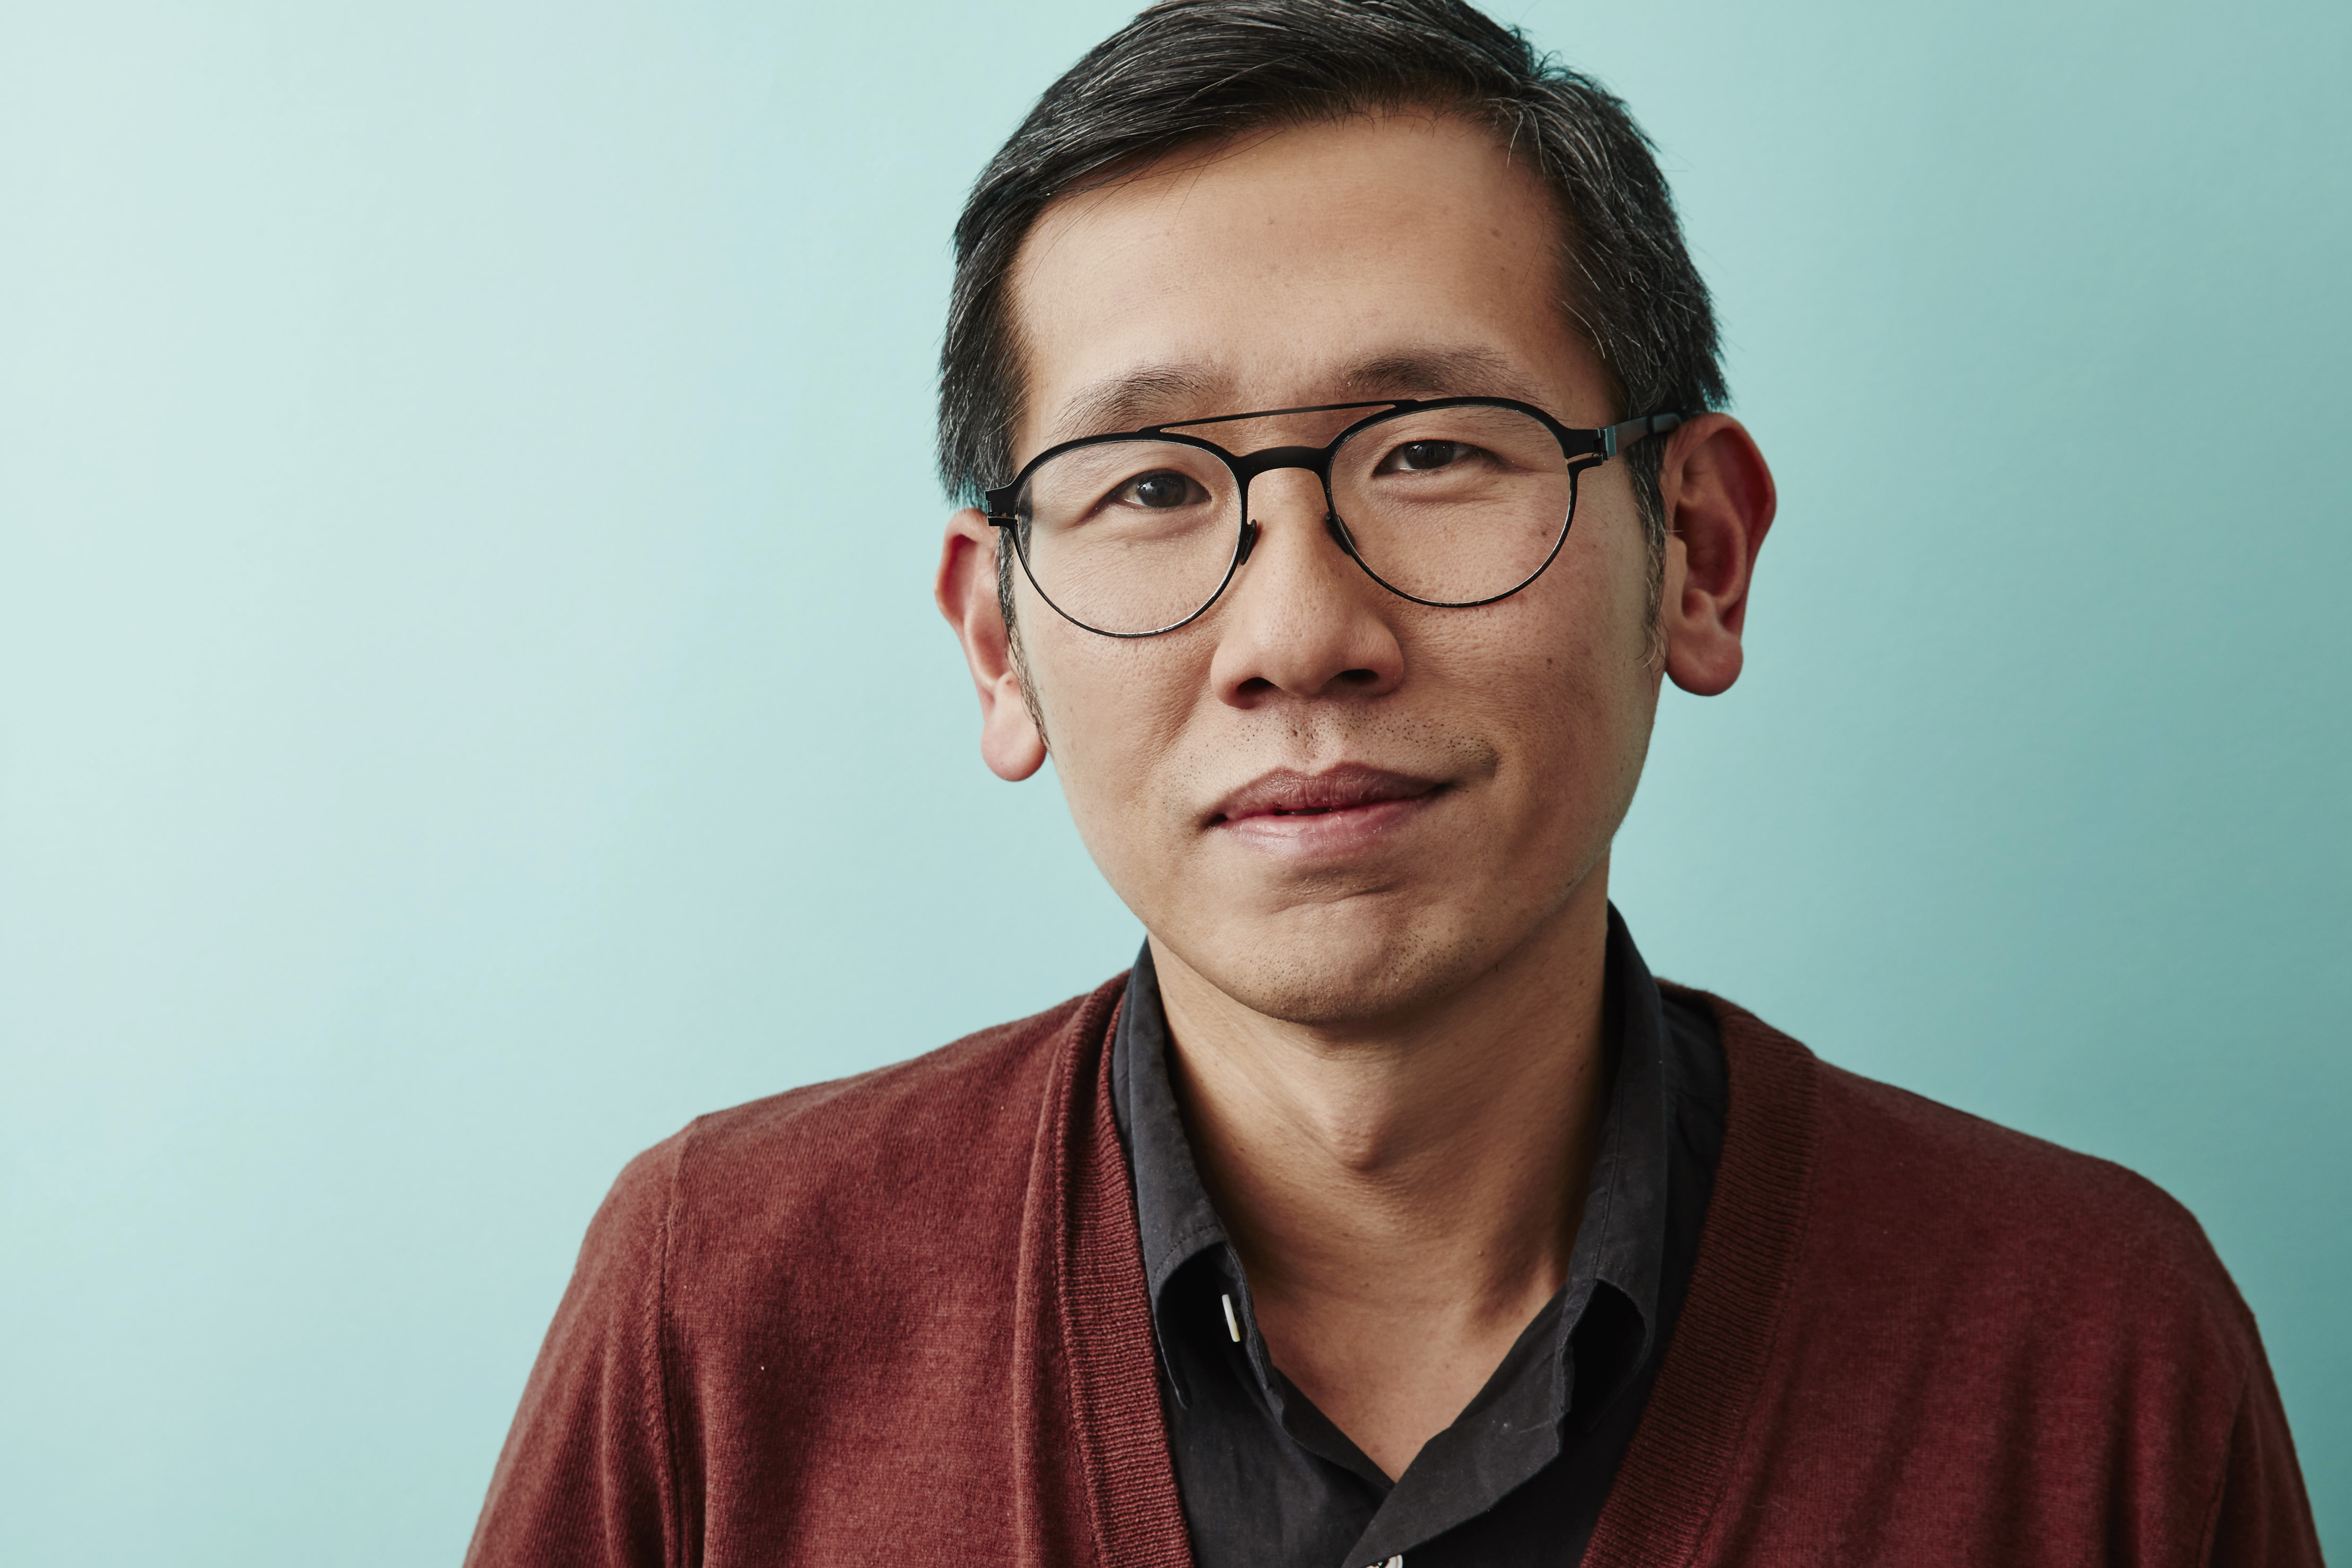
x,y
1161,490
1419,456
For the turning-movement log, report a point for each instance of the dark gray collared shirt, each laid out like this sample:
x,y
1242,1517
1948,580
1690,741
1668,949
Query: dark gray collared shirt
x,y
1268,1481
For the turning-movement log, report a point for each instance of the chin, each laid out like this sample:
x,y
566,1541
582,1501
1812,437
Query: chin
x,y
1328,978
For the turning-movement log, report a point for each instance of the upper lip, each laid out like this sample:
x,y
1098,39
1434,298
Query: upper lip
x,y
1287,791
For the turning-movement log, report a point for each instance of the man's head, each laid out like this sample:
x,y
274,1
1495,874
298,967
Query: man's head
x,y
1283,202
1196,71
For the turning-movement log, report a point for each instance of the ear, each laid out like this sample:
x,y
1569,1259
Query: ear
x,y
1719,501
966,592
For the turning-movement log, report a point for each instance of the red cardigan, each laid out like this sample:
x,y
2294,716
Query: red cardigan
x,y
900,1319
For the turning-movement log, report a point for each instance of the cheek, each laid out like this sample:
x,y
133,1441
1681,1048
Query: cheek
x,y
1608,557
1618,670
1569,674
1114,712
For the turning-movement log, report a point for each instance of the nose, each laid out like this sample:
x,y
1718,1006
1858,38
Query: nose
x,y
1302,620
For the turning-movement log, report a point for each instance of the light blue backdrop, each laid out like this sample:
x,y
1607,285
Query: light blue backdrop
x,y
471,698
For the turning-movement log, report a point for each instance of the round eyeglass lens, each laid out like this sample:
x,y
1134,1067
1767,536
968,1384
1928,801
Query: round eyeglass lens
x,y
1453,506
1131,535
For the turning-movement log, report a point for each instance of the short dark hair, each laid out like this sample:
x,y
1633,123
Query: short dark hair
x,y
1188,71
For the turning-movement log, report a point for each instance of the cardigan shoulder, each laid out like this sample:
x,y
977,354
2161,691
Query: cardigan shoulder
x,y
790,1318
922,1130
1915,1336
919,1127
2043,1238
860,1189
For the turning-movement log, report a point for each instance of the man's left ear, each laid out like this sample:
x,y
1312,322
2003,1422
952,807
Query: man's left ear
x,y
1719,501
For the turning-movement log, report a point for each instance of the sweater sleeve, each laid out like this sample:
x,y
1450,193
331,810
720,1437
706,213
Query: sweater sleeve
x,y
586,1475
2261,1517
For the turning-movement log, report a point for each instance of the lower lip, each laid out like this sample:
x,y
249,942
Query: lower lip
x,y
1325,835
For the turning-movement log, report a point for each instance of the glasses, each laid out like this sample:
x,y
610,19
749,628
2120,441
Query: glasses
x,y
1454,502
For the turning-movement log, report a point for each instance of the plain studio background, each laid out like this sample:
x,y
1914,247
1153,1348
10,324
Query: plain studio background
x,y
472,699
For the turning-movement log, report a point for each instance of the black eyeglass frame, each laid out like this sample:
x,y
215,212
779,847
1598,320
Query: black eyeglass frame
x,y
1583,449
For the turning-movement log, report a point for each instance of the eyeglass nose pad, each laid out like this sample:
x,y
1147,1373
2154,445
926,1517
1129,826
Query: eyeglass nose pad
x,y
1338,532
1249,543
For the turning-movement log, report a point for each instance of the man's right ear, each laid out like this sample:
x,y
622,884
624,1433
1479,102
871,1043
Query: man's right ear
x,y
966,591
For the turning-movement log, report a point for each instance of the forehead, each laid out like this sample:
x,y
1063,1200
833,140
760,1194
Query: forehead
x,y
1403,255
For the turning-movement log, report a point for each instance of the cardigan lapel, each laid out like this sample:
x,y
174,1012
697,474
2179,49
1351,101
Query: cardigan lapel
x,y
1672,1475
1097,1484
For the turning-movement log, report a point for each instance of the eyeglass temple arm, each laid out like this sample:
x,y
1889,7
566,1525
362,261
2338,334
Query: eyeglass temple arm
x,y
1616,438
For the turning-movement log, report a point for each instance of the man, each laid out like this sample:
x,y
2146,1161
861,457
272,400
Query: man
x,y
1341,400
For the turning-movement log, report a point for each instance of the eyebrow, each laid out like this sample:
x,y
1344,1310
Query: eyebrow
x,y
1134,400
1437,373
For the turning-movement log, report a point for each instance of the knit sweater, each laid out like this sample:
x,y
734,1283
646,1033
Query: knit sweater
x,y
901,1319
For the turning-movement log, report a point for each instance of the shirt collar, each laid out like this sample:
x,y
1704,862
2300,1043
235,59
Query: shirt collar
x,y
1172,1211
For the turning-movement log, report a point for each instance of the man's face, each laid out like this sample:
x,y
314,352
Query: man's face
x,y
1332,803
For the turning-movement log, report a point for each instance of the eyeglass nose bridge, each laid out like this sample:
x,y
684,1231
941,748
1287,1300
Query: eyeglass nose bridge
x,y
1316,460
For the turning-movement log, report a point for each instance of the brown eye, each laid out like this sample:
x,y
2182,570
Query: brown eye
x,y
1418,454
1161,490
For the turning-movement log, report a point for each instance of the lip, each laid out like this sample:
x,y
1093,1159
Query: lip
x,y
1332,810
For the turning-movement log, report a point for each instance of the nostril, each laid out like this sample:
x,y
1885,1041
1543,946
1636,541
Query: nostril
x,y
1359,678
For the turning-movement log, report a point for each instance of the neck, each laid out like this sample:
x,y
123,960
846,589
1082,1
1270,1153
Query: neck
x,y
1403,1193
